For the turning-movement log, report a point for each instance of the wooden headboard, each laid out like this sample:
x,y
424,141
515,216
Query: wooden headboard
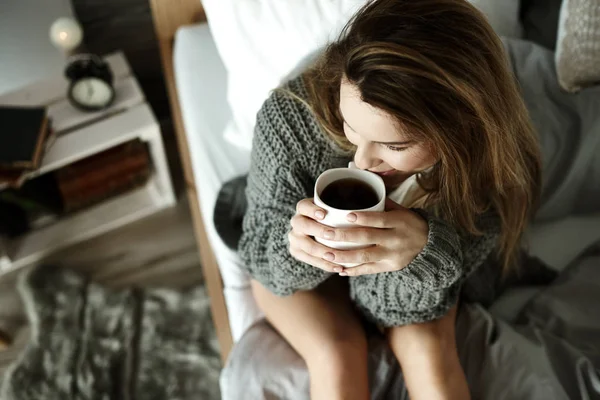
x,y
168,16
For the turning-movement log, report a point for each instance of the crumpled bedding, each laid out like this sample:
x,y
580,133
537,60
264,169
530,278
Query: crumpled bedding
x,y
551,350
568,126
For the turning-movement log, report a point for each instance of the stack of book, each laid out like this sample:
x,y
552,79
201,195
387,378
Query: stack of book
x,y
30,202
103,175
24,133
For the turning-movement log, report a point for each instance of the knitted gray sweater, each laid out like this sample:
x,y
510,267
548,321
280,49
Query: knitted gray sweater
x,y
289,152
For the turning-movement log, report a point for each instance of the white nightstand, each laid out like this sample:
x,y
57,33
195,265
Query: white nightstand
x,y
79,135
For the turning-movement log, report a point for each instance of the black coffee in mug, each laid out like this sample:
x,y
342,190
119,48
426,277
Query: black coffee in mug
x,y
349,194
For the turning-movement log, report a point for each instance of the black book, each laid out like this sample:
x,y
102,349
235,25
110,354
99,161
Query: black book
x,y
23,131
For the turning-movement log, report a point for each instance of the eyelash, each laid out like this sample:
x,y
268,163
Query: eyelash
x,y
394,148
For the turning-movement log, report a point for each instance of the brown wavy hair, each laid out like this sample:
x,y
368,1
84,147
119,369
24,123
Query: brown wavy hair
x,y
440,70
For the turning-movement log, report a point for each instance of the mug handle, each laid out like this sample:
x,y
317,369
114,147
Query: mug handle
x,y
351,165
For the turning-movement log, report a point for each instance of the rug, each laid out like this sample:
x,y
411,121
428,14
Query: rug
x,y
92,342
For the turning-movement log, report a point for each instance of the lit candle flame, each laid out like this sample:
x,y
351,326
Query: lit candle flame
x,y
65,33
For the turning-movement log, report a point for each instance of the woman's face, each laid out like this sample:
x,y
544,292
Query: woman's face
x,y
381,146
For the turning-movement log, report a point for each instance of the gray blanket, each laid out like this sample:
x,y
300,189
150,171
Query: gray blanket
x,y
91,342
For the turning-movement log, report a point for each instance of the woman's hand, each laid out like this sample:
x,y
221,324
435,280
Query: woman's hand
x,y
397,235
305,226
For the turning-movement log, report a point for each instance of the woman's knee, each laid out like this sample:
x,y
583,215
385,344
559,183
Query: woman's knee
x,y
319,323
337,354
438,336
339,340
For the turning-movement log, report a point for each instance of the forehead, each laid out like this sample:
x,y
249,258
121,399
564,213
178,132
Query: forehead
x,y
367,121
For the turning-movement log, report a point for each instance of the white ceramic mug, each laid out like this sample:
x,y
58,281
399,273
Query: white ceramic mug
x,y
336,217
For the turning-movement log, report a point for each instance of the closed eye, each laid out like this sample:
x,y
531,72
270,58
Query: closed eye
x,y
395,148
391,147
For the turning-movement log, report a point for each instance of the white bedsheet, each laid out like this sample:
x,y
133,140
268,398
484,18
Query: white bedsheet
x,y
201,85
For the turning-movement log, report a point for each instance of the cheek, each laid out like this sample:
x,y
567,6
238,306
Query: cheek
x,y
410,160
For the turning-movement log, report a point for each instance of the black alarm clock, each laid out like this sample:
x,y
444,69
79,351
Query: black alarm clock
x,y
91,83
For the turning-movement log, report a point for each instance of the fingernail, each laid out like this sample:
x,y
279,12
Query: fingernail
x,y
337,269
343,274
329,235
351,217
319,214
329,256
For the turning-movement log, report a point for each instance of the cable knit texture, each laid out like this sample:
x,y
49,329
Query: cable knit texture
x,y
578,45
289,152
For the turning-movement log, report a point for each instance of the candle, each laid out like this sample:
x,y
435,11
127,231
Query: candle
x,y
66,34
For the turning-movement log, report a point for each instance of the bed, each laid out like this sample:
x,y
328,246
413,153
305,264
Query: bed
x,y
200,79
197,85
168,17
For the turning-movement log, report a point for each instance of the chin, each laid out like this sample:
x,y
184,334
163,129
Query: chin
x,y
396,178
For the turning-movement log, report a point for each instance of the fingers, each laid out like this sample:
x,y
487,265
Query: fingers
x,y
365,269
371,219
360,235
374,219
308,246
308,208
318,250
309,227
360,256
317,262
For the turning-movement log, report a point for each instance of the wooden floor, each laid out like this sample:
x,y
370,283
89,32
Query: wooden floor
x,y
159,250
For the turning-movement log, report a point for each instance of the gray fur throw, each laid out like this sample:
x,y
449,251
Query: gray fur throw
x,y
91,342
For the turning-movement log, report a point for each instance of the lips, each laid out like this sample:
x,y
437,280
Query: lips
x,y
384,173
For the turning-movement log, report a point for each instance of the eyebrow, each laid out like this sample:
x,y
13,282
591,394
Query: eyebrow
x,y
386,143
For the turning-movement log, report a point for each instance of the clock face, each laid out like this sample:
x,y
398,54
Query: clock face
x,y
92,93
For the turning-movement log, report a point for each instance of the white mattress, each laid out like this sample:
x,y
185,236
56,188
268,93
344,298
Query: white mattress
x,y
201,83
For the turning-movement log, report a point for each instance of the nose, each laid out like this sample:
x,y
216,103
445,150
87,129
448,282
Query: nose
x,y
365,158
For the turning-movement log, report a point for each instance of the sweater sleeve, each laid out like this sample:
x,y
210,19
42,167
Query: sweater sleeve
x,y
429,286
274,188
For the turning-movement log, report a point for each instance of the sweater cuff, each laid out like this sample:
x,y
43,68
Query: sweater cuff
x,y
283,275
439,264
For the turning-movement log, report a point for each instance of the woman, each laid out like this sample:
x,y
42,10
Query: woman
x,y
419,92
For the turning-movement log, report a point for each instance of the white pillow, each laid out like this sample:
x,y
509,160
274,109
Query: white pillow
x,y
262,41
